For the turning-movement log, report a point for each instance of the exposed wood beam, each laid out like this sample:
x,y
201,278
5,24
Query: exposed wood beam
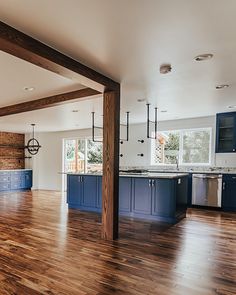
x,y
49,101
110,181
27,48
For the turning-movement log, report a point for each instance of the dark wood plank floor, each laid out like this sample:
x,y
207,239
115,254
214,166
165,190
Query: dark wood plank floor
x,y
46,249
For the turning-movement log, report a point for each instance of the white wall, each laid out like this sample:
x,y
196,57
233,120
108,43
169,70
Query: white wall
x,y
48,163
131,148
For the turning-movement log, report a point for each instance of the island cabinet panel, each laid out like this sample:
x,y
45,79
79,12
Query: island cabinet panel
x,y
161,199
99,195
142,196
74,191
164,203
229,193
181,196
125,194
89,191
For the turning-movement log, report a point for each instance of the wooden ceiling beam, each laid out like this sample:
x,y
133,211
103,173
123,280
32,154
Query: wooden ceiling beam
x,y
50,101
31,50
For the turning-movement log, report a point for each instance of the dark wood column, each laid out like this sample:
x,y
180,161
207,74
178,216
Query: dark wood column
x,y
110,183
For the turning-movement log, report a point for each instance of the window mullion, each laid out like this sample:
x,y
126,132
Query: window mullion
x,y
181,147
85,155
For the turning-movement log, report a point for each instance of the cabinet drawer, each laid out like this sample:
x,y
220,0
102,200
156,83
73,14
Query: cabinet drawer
x,y
5,178
16,185
229,177
16,178
5,186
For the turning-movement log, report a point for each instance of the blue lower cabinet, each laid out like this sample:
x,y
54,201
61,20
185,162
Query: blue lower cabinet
x,y
99,194
74,191
15,180
28,179
229,193
89,191
142,196
164,203
125,194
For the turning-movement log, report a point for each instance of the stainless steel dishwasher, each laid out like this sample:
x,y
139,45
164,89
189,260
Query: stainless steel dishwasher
x,y
207,190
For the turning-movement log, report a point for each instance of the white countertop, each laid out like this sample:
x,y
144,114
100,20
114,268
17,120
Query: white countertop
x,y
139,175
8,170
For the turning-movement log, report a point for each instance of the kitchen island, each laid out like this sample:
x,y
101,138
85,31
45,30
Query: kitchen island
x,y
154,196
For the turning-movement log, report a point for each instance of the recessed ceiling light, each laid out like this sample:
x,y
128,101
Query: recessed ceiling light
x,y
222,86
141,99
202,57
232,107
75,111
165,69
163,111
28,88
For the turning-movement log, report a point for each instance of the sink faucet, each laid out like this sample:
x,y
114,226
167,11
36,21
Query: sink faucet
x,y
177,163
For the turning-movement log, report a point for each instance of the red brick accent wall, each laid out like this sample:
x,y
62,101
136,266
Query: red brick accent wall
x,y
11,151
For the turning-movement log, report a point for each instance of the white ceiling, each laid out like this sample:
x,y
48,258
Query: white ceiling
x,y
15,74
128,41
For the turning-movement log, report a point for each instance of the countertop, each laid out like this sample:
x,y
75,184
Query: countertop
x,y
8,170
139,175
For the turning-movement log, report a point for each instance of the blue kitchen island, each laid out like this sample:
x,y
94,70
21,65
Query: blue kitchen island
x,y
156,196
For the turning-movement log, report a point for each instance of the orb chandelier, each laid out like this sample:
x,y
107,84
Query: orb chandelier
x,y
33,145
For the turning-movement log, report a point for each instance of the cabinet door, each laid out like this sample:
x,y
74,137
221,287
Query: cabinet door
x,y
229,193
125,192
74,190
17,180
226,133
89,194
142,196
28,179
164,198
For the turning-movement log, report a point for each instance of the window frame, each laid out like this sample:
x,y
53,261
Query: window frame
x,y
85,139
180,155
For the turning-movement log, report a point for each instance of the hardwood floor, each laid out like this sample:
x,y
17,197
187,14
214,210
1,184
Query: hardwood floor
x,y
46,249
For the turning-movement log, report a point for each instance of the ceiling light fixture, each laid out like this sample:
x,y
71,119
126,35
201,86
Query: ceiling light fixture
x,y
222,86
165,69
202,57
33,145
29,88
141,99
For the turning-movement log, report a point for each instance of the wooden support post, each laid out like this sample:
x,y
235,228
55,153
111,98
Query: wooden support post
x,y
110,182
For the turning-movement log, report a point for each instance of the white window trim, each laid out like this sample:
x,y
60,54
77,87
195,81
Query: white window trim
x,y
181,131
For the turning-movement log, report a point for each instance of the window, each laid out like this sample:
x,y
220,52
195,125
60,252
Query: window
x,y
82,155
187,147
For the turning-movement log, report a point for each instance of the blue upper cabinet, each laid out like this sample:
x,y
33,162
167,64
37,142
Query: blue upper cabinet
x,y
226,132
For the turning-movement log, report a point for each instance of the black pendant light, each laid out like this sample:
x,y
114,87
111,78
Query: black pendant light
x,y
33,145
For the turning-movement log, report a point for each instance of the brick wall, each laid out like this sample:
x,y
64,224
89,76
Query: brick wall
x,y
11,151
